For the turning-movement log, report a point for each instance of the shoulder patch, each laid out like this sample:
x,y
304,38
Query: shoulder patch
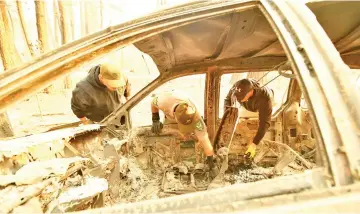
x,y
199,125
155,101
121,90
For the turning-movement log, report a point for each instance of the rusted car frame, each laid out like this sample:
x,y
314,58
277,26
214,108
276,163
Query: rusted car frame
x,y
301,50
314,59
304,54
21,82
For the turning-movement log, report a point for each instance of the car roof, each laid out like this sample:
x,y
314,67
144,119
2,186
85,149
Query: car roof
x,y
248,34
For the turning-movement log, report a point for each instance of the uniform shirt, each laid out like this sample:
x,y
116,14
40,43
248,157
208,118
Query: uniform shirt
x,y
166,102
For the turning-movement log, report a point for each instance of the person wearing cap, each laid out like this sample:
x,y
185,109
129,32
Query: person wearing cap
x,y
100,93
256,99
180,109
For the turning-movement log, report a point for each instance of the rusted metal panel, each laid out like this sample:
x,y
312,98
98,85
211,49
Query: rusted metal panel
x,y
210,104
114,177
237,192
16,153
233,64
13,196
37,171
324,88
247,35
21,82
81,197
321,201
352,60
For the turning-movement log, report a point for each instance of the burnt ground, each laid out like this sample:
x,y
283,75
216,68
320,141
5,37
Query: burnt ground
x,y
141,182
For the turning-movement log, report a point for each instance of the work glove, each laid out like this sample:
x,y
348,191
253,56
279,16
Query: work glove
x,y
214,172
213,169
251,151
156,125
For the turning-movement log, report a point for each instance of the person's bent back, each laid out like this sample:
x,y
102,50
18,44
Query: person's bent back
x,y
100,93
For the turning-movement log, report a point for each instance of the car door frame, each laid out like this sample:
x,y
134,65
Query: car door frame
x,y
317,63
342,161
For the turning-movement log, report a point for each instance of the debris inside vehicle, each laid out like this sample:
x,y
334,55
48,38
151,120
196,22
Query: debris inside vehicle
x,y
87,167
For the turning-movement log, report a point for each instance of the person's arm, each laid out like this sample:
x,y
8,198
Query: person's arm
x,y
127,92
156,124
80,103
265,112
154,105
228,99
203,138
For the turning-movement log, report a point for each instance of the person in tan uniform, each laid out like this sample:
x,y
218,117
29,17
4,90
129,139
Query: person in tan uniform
x,y
178,108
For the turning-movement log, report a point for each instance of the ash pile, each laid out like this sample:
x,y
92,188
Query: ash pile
x,y
59,171
56,185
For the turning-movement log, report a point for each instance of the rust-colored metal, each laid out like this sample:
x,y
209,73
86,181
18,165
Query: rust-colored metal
x,y
324,83
23,81
353,61
210,104
214,197
234,64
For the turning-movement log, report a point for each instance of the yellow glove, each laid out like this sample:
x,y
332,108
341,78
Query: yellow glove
x,y
251,150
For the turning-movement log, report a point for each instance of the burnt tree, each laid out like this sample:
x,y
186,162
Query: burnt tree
x,y
65,13
42,27
92,16
10,58
44,34
57,32
20,11
83,18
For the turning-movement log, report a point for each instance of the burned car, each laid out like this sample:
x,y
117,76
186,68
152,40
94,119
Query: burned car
x,y
302,51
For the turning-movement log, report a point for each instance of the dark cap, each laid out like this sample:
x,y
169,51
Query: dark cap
x,y
241,88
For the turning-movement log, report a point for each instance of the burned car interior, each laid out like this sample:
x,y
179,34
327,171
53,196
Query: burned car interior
x,y
203,54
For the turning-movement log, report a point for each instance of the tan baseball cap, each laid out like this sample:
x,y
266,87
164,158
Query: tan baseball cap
x,y
112,74
188,118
